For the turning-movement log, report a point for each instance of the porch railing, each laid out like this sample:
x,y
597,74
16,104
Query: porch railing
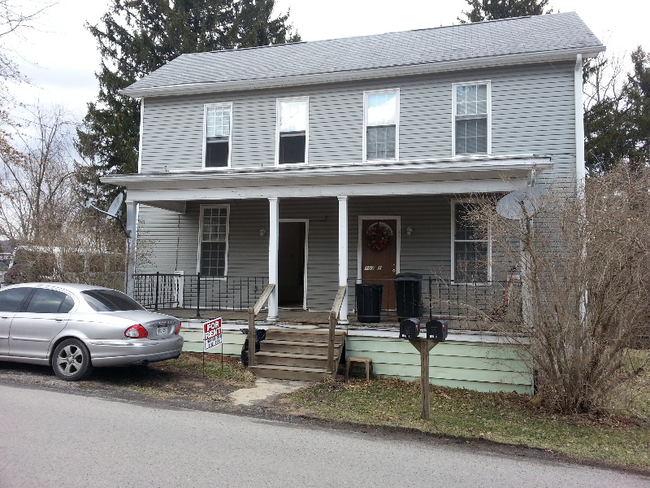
x,y
443,298
178,290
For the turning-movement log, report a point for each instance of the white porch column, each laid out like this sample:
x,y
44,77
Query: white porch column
x,y
274,245
131,230
343,255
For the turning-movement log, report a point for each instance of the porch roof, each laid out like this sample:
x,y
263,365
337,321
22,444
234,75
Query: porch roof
x,y
456,175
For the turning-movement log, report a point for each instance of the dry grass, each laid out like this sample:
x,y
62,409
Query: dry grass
x,y
619,437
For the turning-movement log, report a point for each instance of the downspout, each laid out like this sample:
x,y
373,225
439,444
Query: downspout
x,y
580,130
580,166
141,130
132,220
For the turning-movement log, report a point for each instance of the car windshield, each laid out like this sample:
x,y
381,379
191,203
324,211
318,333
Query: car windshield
x,y
110,301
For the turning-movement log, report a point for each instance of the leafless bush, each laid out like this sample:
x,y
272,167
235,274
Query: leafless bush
x,y
584,265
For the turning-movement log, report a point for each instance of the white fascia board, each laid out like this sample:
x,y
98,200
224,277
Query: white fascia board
x,y
362,74
161,198
443,169
444,177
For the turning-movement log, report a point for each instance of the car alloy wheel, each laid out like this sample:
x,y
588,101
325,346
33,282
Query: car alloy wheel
x,y
71,360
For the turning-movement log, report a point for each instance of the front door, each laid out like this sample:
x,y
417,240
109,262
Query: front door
x,y
291,264
379,256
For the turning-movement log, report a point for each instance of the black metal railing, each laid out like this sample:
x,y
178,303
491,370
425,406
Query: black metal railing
x,y
169,291
411,297
424,296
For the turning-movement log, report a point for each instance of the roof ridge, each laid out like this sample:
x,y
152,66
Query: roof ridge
x,y
381,34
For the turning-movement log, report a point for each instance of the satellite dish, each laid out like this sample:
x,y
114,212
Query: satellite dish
x,y
522,203
114,209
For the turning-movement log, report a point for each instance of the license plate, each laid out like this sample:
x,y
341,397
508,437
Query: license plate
x,y
162,330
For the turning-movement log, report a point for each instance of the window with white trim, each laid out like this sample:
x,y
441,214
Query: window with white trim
x,y
472,118
471,253
218,118
293,124
213,240
381,125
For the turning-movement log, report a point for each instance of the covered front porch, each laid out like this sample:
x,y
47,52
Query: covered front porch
x,y
310,231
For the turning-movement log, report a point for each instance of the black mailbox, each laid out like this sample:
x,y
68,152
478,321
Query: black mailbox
x,y
437,330
409,329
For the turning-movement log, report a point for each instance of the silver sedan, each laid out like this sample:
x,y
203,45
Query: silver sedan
x,y
74,327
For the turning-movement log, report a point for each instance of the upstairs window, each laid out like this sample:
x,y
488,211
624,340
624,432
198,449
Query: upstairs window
x,y
472,118
471,253
293,123
217,135
381,121
213,241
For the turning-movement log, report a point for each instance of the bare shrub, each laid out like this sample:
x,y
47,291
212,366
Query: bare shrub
x,y
584,265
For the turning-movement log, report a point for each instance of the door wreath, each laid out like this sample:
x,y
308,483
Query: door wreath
x,y
378,236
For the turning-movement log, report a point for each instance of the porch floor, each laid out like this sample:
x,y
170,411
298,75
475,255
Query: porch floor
x,y
287,316
321,320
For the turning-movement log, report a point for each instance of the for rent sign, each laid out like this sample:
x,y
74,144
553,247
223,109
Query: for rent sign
x,y
212,335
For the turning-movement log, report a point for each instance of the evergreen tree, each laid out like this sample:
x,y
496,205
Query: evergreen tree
x,y
136,37
637,94
617,114
501,9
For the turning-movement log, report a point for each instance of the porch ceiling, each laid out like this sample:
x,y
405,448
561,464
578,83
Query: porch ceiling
x,y
448,176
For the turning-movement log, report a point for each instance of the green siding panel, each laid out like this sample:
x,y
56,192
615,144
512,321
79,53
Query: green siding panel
x,y
472,365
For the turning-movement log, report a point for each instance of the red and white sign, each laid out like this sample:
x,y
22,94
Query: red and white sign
x,y
212,334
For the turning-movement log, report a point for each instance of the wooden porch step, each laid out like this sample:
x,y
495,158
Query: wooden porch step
x,y
303,335
290,359
298,354
289,372
306,348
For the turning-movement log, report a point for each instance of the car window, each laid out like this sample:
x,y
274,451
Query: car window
x,y
12,299
110,301
49,301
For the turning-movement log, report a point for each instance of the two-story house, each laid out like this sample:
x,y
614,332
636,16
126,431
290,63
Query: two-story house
x,y
321,164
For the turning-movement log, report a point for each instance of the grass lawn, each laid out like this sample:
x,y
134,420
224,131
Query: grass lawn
x,y
620,437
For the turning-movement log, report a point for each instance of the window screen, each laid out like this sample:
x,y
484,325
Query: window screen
x,y
471,119
217,135
381,125
470,251
213,241
293,121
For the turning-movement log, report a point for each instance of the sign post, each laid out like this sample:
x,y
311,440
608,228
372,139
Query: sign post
x,y
212,333
212,337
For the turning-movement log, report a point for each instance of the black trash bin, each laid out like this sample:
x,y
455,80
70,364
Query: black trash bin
x,y
408,295
368,302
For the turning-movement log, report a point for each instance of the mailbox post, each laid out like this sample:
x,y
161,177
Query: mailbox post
x,y
436,333
424,346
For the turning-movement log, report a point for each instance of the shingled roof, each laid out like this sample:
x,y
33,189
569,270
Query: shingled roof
x,y
499,42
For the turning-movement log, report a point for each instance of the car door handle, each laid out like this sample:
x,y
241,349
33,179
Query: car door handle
x,y
59,319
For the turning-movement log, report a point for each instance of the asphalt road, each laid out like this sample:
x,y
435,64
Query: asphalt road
x,y
54,439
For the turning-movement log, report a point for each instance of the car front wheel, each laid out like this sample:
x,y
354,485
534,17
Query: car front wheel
x,y
71,360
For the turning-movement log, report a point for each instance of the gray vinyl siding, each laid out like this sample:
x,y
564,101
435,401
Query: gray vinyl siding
x,y
532,112
169,241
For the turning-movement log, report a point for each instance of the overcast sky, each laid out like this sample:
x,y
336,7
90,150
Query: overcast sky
x,y
60,57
